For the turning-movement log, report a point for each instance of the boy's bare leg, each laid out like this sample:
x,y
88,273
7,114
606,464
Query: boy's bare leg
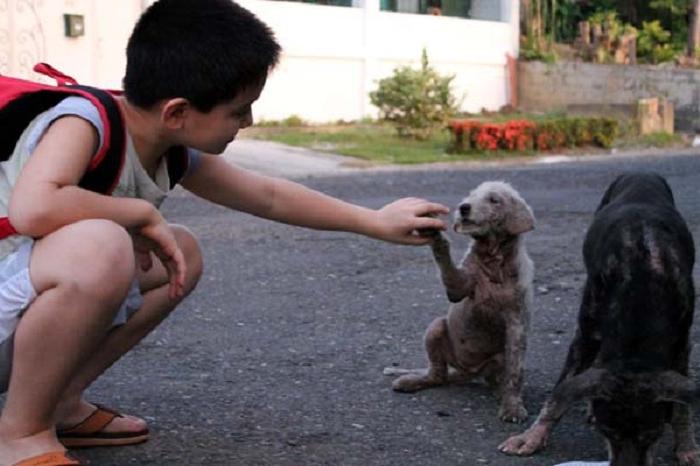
x,y
156,306
81,273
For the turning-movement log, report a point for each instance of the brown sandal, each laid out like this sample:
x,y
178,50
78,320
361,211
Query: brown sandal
x,y
89,432
52,458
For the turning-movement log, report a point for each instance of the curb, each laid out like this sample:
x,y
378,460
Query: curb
x,y
276,159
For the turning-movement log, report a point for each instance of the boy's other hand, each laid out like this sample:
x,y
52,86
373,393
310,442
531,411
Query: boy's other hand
x,y
157,237
403,221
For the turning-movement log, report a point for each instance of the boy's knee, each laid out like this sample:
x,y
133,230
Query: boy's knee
x,y
92,258
105,251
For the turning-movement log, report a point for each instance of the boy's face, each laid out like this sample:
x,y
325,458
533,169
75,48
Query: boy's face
x,y
211,132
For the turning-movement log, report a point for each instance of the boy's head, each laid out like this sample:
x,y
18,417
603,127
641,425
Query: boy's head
x,y
206,51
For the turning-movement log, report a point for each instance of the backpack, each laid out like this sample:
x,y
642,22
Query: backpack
x,y
21,101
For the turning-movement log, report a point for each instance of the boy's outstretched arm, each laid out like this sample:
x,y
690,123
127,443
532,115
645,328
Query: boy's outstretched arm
x,y
285,201
46,196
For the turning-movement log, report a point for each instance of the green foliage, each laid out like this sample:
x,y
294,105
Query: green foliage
x,y
530,50
567,15
676,7
290,121
416,102
653,43
671,14
293,120
660,140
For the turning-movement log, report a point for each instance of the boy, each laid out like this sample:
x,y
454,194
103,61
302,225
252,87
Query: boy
x,y
88,275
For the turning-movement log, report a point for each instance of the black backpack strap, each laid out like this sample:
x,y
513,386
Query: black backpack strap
x,y
178,161
103,172
104,169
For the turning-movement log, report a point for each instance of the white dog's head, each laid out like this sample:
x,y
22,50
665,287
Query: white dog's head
x,y
493,207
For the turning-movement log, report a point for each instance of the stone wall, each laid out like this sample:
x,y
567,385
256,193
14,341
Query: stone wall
x,y
608,89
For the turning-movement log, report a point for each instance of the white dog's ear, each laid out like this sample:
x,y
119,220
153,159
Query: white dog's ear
x,y
520,218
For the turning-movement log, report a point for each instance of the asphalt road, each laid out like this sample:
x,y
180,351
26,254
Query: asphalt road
x,y
277,357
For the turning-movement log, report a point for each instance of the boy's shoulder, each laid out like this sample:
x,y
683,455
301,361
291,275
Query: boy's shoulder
x,y
70,106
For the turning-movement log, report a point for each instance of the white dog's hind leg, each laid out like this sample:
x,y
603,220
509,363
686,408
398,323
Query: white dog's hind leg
x,y
436,339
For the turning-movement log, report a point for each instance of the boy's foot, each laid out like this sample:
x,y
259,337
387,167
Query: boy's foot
x,y
101,426
15,450
52,458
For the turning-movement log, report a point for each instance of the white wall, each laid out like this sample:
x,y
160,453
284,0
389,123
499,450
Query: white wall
x,y
33,30
332,56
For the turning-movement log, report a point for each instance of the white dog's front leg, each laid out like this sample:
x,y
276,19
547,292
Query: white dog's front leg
x,y
512,408
458,284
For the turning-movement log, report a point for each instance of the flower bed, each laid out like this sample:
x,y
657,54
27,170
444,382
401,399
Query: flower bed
x,y
527,135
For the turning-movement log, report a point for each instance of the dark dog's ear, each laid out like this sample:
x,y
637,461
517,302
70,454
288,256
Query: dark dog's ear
x,y
675,387
593,383
520,218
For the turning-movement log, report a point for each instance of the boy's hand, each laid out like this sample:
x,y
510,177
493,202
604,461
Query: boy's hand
x,y
407,221
158,238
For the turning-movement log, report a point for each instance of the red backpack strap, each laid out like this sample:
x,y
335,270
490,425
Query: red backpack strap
x,y
21,101
51,72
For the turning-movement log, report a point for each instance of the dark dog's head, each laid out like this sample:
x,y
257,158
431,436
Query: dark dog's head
x,y
494,207
630,410
638,187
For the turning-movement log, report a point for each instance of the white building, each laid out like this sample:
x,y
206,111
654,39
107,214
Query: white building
x,y
332,58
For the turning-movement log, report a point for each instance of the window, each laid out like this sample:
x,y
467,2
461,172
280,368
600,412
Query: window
x,y
327,2
459,8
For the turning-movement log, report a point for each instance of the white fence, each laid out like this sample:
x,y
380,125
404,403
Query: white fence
x,y
332,56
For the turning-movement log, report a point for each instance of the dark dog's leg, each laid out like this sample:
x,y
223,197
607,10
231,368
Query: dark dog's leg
x,y
535,437
582,353
686,449
458,284
437,345
512,408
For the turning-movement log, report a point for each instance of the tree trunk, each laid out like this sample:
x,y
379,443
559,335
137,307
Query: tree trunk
x,y
694,29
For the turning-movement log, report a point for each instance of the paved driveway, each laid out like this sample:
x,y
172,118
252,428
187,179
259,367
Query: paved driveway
x,y
277,358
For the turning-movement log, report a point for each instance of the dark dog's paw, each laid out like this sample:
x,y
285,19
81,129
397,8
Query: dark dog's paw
x,y
688,458
525,444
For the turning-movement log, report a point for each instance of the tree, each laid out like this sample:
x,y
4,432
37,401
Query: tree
x,y
694,29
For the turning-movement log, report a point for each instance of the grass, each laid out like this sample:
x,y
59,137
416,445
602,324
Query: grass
x,y
378,143
657,140
374,142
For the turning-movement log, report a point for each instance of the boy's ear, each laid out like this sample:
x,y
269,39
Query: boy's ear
x,y
174,112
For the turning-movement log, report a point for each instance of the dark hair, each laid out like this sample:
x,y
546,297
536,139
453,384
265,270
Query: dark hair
x,y
206,51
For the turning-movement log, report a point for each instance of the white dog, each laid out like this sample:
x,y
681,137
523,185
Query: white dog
x,y
484,331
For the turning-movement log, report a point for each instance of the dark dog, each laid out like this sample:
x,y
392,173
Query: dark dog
x,y
629,356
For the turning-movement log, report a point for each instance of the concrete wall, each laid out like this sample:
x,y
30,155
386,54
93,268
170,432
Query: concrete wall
x,y
332,56
612,89
33,30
